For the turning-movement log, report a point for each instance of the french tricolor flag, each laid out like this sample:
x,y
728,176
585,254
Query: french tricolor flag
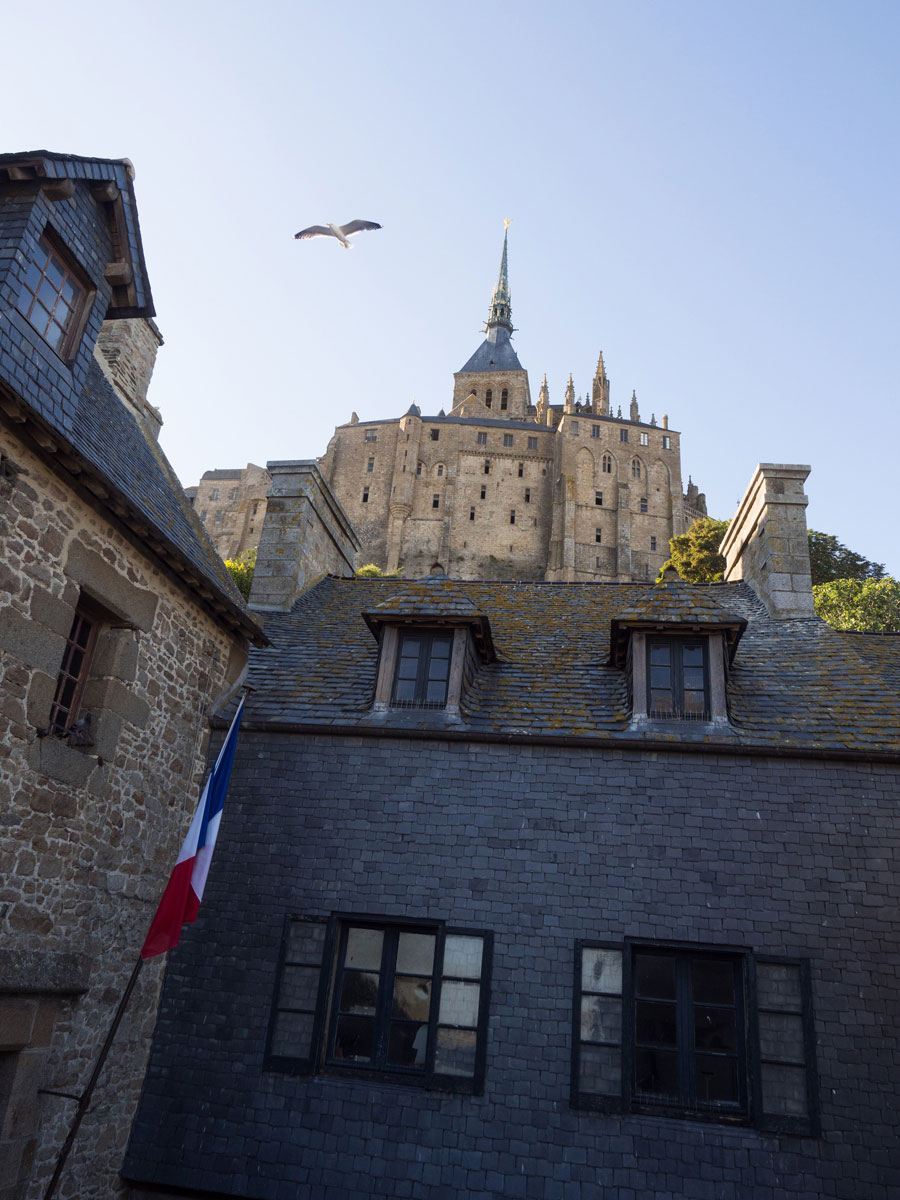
x,y
184,891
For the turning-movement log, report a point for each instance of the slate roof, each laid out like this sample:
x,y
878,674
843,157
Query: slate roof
x,y
793,684
674,603
493,355
231,473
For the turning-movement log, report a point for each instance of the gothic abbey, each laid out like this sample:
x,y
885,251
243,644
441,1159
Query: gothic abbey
x,y
502,488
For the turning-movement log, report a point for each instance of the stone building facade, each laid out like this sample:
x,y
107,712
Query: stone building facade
x,y
502,488
231,504
549,890
120,632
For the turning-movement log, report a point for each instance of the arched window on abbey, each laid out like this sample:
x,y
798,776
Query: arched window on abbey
x,y
607,464
420,467
504,399
635,468
488,398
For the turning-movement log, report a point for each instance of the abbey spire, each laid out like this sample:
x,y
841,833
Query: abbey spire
x,y
500,316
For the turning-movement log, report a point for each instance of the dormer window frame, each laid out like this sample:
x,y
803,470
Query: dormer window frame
x,y
56,293
715,666
389,657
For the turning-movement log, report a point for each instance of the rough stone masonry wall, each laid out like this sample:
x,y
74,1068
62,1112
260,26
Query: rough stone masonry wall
x,y
85,845
543,846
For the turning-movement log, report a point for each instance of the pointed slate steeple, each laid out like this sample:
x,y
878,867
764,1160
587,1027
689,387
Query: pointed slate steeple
x,y
500,316
496,353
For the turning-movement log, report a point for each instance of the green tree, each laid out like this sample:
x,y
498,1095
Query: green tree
x,y
695,554
242,569
868,604
829,559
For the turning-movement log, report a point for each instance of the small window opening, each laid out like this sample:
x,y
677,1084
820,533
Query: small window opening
x,y
504,400
598,499
365,496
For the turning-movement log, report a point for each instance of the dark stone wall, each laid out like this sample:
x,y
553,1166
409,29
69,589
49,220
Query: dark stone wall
x,y
543,846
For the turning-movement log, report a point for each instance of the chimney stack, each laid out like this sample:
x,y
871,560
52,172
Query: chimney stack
x,y
766,544
306,534
126,350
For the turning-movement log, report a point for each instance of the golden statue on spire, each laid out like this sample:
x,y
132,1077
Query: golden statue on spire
x,y
507,221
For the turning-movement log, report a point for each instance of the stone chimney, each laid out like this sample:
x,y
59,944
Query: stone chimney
x,y
766,544
306,534
126,350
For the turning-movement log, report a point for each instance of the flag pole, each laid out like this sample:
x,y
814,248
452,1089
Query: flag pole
x,y
85,1099
218,780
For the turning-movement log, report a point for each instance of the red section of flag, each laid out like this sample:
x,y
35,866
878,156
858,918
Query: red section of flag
x,y
177,900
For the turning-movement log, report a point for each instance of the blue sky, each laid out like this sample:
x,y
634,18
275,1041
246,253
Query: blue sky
x,y
706,191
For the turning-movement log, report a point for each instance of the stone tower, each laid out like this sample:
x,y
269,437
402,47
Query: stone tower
x,y
502,489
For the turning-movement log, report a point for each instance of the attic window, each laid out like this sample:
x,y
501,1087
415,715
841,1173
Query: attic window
x,y
371,435
423,669
677,679
54,297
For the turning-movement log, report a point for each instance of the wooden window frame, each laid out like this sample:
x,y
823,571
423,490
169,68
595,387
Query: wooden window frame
x,y
326,956
88,621
532,443
507,440
387,666
423,666
73,329
751,1107
715,660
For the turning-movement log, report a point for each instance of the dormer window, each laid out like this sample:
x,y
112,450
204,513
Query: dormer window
x,y
674,644
423,668
677,679
427,655
54,298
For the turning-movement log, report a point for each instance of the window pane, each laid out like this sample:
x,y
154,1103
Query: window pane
x,y
661,702
32,277
55,273
459,1003
359,992
781,1037
405,689
713,982
47,295
438,669
54,335
462,956
364,948
692,656
415,953
716,1079
299,987
67,291
693,679
601,1019
407,667
601,971
440,648
660,677
784,1090
714,1028
656,1074
354,1038
412,998
655,1023
694,703
436,691
407,1044
293,1034
599,1070
778,986
455,1054
654,975
660,655
305,941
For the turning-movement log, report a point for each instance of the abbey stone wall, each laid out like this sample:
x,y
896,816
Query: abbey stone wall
x,y
506,489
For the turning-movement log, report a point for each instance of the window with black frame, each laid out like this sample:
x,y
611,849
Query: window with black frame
x,y
407,1003
677,679
423,669
695,1032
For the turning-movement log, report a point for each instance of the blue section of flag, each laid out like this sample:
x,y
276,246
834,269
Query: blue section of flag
x,y
221,773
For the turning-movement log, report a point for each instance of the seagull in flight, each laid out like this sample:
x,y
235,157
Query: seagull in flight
x,y
342,232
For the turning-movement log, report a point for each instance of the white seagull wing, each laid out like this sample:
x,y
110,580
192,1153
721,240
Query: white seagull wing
x,y
357,227
314,231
